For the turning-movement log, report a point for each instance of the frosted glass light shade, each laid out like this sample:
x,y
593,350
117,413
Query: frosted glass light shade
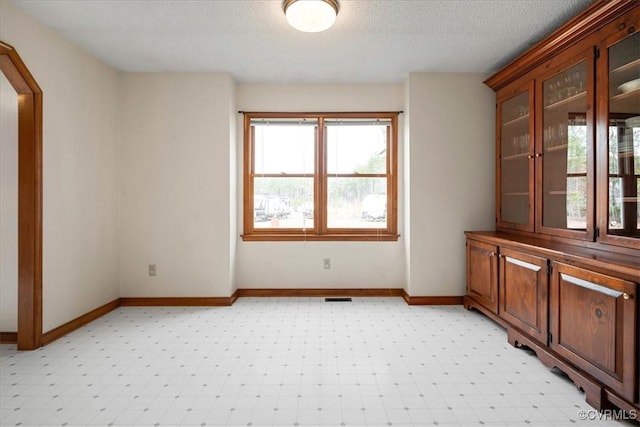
x,y
311,16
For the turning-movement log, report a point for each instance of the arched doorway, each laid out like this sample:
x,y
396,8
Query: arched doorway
x,y
29,197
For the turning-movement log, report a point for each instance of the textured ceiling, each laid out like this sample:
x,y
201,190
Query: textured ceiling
x,y
373,41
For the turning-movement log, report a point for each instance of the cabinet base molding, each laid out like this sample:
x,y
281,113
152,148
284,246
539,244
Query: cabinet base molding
x,y
470,303
594,392
624,405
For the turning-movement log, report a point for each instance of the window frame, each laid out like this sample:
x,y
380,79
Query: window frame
x,y
320,231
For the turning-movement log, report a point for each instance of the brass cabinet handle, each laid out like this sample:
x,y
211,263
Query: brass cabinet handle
x,y
627,296
538,154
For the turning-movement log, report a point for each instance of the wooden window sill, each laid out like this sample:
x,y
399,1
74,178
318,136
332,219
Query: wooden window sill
x,y
284,237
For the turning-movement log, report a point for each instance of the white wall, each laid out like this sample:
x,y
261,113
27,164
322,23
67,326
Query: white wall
x,y
405,178
451,176
446,186
8,206
233,190
145,168
175,184
299,264
80,134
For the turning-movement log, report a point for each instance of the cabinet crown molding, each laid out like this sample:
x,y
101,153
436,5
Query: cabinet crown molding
x,y
586,23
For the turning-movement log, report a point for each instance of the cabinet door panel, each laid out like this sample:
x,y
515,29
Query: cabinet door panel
x,y
482,281
593,324
515,158
619,139
564,155
523,292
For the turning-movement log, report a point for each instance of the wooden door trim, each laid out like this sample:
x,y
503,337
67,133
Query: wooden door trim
x,y
29,197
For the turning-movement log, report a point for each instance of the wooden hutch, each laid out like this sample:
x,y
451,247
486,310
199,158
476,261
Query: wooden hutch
x,y
562,270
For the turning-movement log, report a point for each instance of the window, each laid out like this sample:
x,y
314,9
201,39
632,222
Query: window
x,y
624,175
576,203
320,176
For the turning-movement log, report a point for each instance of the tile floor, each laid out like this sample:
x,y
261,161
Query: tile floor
x,y
286,362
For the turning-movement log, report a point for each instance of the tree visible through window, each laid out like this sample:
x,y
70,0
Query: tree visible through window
x,y
320,176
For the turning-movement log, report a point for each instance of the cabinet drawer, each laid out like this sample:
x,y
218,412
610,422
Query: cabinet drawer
x,y
593,325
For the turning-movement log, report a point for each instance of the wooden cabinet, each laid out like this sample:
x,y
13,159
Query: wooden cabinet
x,y
545,175
523,292
568,133
576,307
593,325
568,198
482,274
619,137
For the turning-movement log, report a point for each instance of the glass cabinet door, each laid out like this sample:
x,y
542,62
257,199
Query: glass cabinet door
x,y
621,221
564,154
515,171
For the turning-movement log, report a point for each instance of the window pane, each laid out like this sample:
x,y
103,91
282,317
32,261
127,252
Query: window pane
x,y
284,148
577,203
616,207
357,203
624,137
577,146
356,147
613,150
283,203
636,147
565,149
319,175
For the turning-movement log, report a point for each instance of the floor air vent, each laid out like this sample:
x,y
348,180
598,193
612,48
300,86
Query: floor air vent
x,y
347,299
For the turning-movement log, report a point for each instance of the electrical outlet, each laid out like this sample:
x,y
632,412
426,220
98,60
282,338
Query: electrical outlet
x,y
327,263
152,269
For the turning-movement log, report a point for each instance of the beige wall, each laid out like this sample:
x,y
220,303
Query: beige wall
x,y
446,186
8,206
451,176
80,169
299,264
175,184
146,168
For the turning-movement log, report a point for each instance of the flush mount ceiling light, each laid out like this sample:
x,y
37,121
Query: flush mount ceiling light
x,y
311,16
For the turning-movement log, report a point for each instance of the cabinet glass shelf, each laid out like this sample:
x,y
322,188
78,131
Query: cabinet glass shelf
x,y
566,101
521,119
635,64
558,147
516,156
626,95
